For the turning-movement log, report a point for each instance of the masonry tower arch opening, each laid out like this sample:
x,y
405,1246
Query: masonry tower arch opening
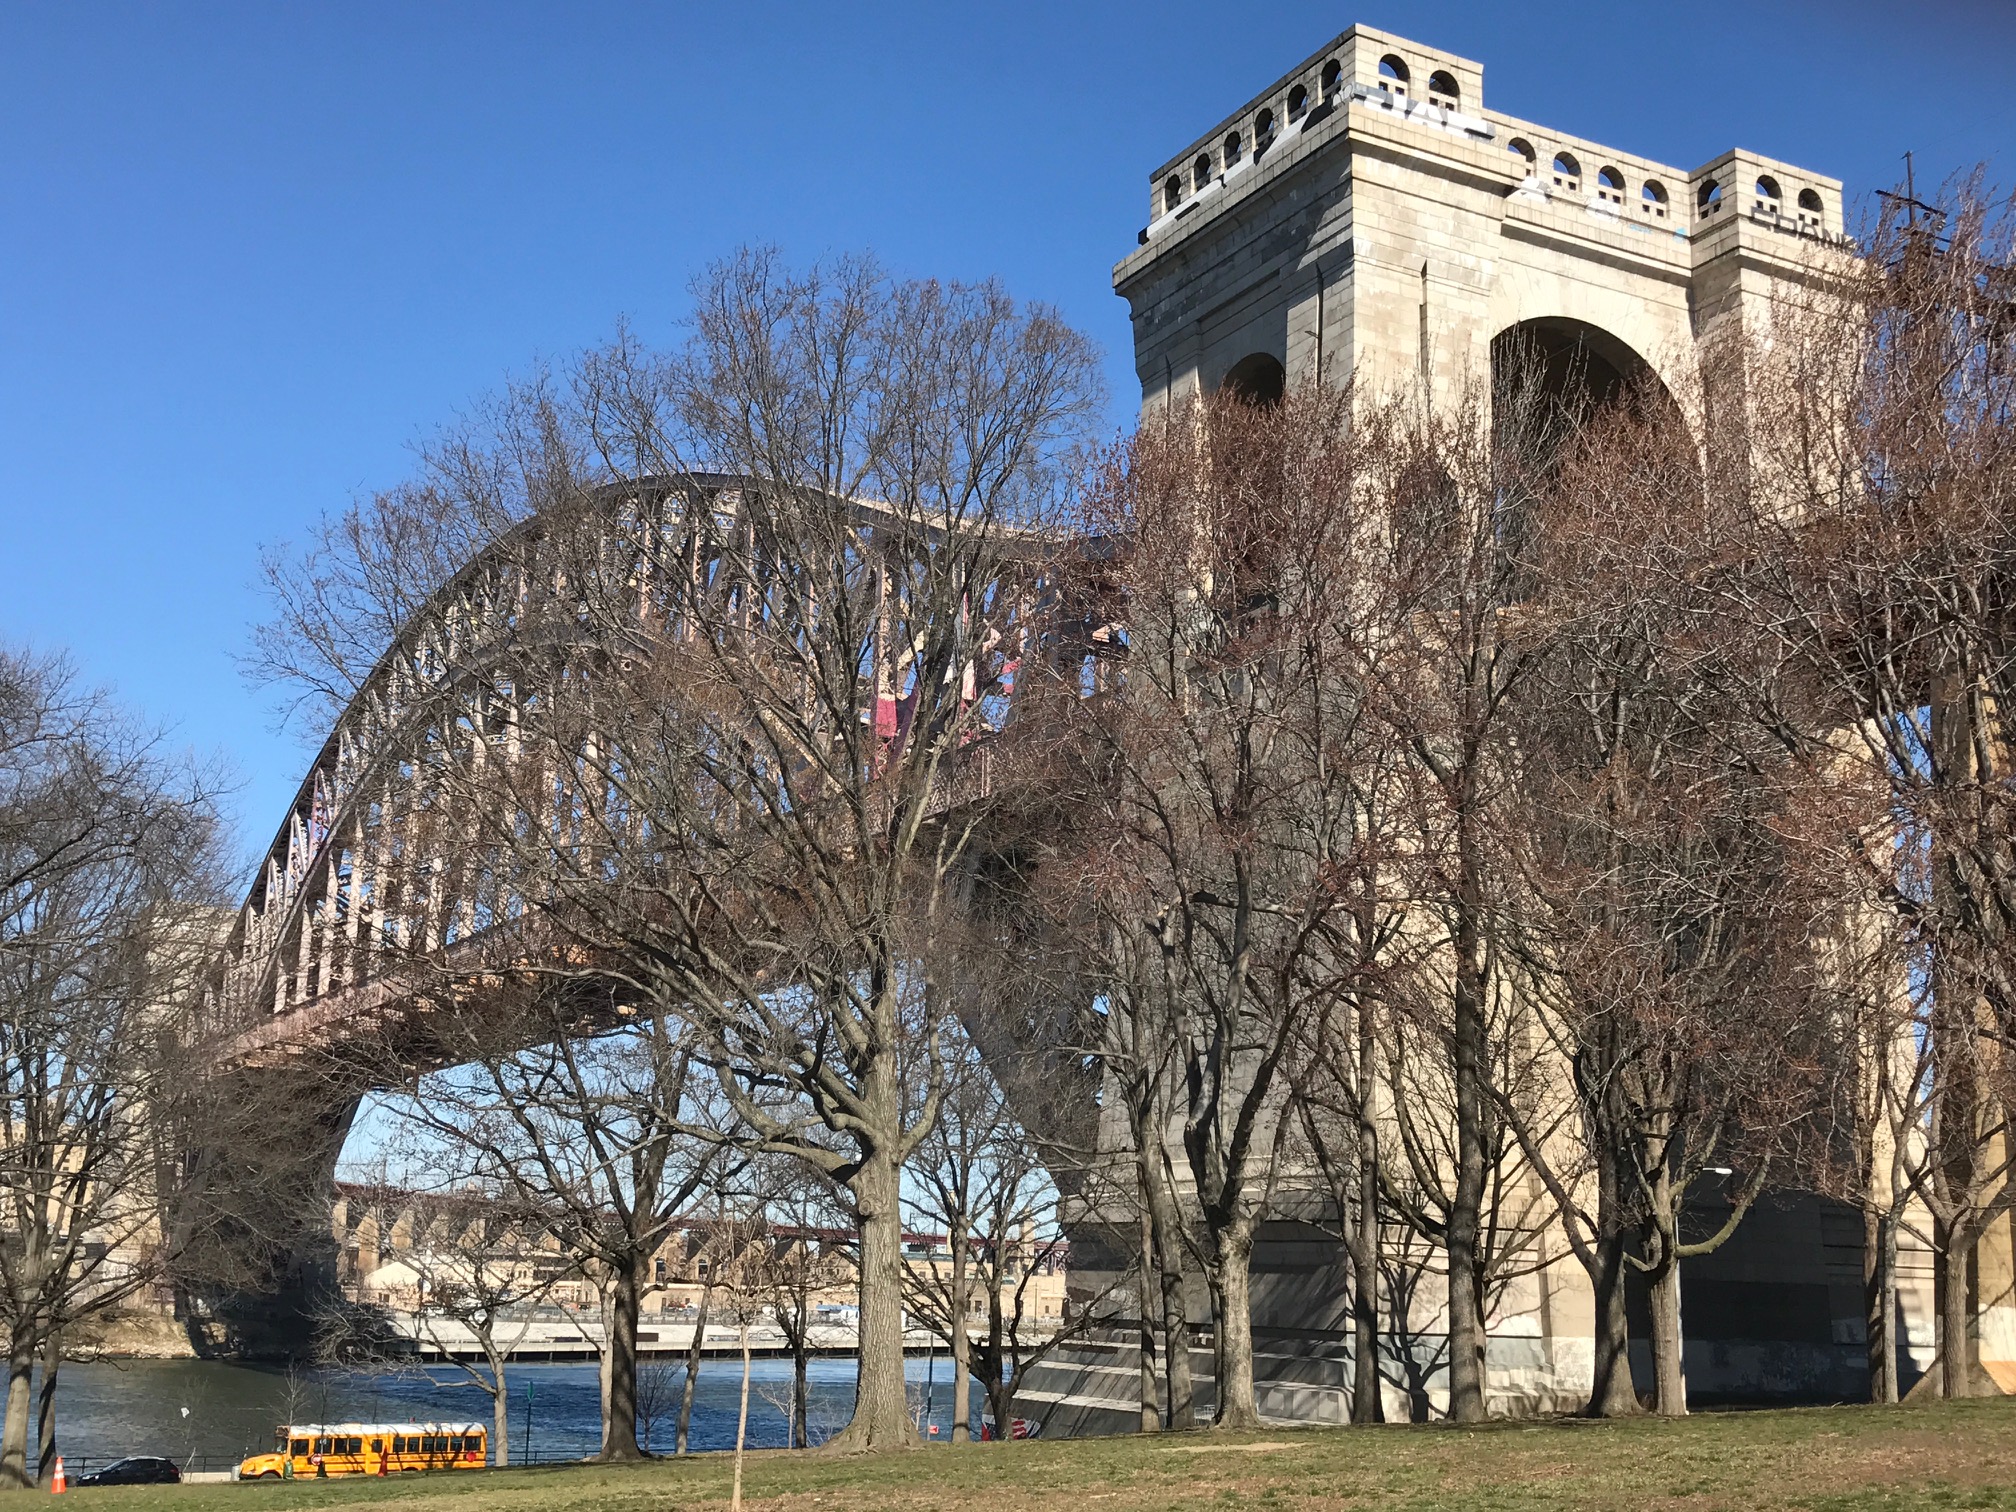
x,y
1580,368
1257,378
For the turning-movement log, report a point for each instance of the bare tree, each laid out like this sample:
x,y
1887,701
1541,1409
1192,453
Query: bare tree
x,y
659,1385
1455,484
709,1266
586,1135
1574,715
1136,1054
1868,1148
108,871
1225,815
1666,923
479,1271
807,1260
979,1180
771,583
1873,534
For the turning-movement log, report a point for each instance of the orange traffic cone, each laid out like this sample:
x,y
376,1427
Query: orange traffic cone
x,y
59,1482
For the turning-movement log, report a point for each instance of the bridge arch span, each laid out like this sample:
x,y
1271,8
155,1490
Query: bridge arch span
x,y
364,923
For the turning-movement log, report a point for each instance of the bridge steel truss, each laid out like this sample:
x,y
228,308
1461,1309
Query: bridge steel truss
x,y
353,892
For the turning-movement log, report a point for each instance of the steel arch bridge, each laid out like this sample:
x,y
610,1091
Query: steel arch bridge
x,y
315,987
342,899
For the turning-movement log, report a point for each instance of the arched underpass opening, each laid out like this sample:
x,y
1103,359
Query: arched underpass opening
x,y
1554,374
1258,379
1550,378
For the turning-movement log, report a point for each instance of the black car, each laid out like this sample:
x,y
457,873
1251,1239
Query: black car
x,y
135,1470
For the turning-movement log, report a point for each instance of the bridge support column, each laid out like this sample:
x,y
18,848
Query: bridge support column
x,y
251,1213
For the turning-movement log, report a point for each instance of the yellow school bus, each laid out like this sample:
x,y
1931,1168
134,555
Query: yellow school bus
x,y
307,1451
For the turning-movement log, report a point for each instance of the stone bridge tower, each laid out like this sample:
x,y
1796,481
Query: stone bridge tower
x,y
1366,216
1365,213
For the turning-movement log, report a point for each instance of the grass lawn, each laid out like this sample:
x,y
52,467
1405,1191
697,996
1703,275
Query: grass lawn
x,y
1837,1459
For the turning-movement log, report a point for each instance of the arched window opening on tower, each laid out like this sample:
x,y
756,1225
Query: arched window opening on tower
x,y
1234,148
1522,149
1172,192
1263,133
1610,187
1333,75
1442,90
1258,379
1393,75
1709,200
1652,199
1298,101
1567,172
1811,211
1768,197
1200,171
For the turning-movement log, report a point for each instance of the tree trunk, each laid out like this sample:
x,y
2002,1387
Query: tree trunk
x,y
800,1391
962,1346
1893,1386
14,1429
1182,1398
1367,1393
619,1370
500,1402
1001,1402
1465,1227
1176,1346
1611,1393
881,1412
1875,1307
692,1368
1669,1375
45,1426
961,1426
1233,1331
1151,1407
741,1422
1956,1332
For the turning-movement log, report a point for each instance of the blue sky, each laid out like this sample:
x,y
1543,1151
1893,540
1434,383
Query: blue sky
x,y
249,253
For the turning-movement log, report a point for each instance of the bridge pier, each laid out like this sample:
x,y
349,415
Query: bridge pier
x,y
257,1262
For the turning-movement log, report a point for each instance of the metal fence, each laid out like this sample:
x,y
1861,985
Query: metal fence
x,y
75,1465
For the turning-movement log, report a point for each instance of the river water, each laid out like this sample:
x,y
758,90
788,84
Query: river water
x,y
205,1414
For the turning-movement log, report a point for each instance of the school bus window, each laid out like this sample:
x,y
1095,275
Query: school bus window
x,y
298,1447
